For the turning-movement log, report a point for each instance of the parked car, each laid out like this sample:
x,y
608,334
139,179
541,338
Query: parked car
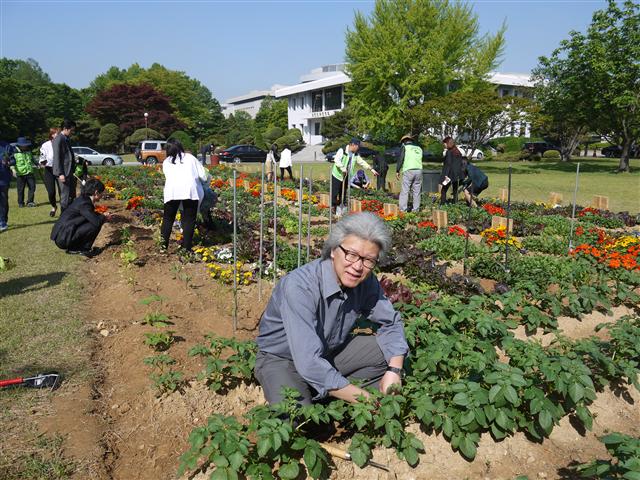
x,y
615,151
465,150
364,152
392,154
94,158
153,151
539,147
242,153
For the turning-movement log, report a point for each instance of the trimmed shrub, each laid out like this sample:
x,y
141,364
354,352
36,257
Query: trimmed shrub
x,y
272,134
509,144
109,137
143,134
184,138
293,138
335,144
551,154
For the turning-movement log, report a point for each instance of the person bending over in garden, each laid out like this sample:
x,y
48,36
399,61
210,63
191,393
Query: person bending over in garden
x,y
184,175
475,182
305,340
360,181
79,224
344,168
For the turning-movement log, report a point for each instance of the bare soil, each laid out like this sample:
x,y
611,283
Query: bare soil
x,y
116,427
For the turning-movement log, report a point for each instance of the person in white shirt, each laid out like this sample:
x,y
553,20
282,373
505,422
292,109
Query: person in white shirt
x,y
184,174
285,163
46,161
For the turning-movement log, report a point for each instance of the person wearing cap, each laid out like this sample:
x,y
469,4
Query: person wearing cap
x,y
64,163
306,338
25,166
410,165
344,168
360,180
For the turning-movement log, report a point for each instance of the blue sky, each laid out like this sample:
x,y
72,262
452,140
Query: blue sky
x,y
233,47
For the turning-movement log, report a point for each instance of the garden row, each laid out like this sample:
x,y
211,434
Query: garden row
x,y
469,374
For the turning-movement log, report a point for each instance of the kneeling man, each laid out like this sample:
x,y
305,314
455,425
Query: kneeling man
x,y
305,338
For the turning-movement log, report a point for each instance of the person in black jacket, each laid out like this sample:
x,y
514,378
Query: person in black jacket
x,y
381,165
451,170
79,225
64,163
474,183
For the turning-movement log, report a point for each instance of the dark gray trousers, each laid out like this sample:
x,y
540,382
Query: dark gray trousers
x,y
67,192
360,359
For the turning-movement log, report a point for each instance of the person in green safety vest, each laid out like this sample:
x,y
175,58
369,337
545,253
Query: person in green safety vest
x,y
25,166
344,168
410,165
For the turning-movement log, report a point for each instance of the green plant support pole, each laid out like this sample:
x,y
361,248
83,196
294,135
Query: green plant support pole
x,y
466,242
330,198
309,215
573,211
261,234
300,218
506,244
235,262
275,226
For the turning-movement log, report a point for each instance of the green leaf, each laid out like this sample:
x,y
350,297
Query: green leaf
x,y
511,395
493,393
411,456
360,456
461,399
289,471
576,392
264,445
220,461
447,427
502,420
545,420
466,418
468,448
631,475
310,457
236,459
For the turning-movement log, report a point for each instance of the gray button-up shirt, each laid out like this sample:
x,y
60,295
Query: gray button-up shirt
x,y
309,318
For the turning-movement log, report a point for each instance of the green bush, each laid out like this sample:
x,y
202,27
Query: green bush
x,y
272,134
109,136
551,154
335,144
184,138
509,144
143,134
293,138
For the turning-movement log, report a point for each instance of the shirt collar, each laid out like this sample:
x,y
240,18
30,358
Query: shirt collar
x,y
330,284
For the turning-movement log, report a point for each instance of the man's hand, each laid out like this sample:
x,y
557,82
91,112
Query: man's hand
x,y
398,175
389,379
107,216
61,178
375,172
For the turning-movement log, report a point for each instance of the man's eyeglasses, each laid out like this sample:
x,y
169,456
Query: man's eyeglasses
x,y
353,257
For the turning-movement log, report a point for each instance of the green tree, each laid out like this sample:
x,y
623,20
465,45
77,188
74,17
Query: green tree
x,y
87,132
239,128
591,82
186,141
472,116
192,102
109,136
142,134
24,70
410,51
272,113
339,124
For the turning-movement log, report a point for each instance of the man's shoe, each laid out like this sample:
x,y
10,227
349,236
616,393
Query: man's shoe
x,y
31,204
4,228
20,205
52,213
84,253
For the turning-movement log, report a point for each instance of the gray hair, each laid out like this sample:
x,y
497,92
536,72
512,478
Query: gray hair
x,y
365,225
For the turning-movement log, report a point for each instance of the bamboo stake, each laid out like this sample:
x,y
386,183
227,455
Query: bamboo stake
x,y
235,262
309,215
261,234
573,211
300,219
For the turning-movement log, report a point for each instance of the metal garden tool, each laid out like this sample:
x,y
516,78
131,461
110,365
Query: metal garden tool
x,y
339,453
43,380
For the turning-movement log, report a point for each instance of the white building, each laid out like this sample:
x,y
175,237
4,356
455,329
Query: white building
x,y
249,102
321,94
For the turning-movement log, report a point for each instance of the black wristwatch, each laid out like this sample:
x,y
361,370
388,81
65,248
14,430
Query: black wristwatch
x,y
399,371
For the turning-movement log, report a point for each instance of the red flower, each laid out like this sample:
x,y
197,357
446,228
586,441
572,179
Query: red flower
x,y
457,230
427,224
493,209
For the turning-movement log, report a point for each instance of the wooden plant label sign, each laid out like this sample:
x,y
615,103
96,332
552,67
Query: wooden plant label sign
x,y
440,218
393,187
324,199
231,182
246,184
391,209
555,198
601,202
497,222
356,205
504,195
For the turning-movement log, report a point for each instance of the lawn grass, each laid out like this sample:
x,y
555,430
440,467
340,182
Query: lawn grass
x,y
41,329
533,181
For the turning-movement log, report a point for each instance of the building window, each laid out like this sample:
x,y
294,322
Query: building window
x,y
302,102
294,103
316,101
316,128
333,98
504,92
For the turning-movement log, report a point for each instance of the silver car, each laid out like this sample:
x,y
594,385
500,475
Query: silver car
x,y
94,158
